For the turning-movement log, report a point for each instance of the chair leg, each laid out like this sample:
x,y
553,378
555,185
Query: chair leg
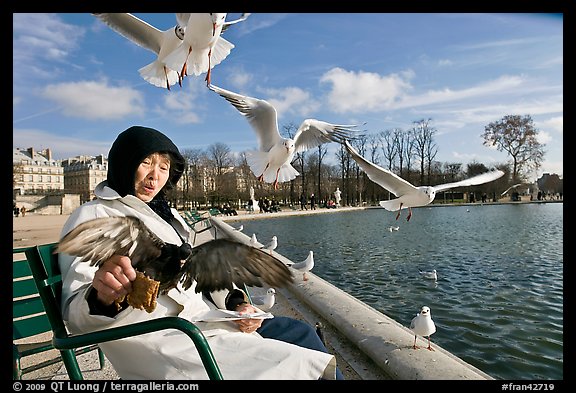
x,y
71,363
101,358
16,367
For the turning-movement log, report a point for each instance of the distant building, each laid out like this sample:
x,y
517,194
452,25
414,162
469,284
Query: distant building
x,y
35,172
82,174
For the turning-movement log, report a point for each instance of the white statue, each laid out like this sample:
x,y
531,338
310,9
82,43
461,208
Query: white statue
x,y
337,194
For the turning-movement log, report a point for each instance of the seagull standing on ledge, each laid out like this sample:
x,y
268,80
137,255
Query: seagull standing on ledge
x,y
410,196
304,266
423,325
272,245
265,302
271,163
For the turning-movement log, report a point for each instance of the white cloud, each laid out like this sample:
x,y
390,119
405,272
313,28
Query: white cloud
x,y
95,100
358,92
292,100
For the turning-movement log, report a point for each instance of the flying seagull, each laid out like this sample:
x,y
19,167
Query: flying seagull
x,y
271,162
149,37
265,302
215,265
202,47
423,325
305,266
410,196
510,188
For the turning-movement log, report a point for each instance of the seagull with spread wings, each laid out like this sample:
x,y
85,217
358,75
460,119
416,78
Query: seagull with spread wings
x,y
410,196
149,37
272,162
215,265
202,47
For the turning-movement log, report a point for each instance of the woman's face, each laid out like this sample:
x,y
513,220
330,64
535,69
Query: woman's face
x,y
151,176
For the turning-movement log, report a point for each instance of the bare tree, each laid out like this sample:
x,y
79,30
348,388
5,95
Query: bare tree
x,y
424,146
517,136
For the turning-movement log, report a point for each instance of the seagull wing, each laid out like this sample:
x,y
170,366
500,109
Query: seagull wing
x,y
261,115
383,177
473,181
134,29
97,240
511,187
313,133
227,24
219,264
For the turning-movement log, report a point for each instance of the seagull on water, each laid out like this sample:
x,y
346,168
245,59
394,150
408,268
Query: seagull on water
x,y
393,228
431,275
410,196
149,37
271,163
305,266
265,302
202,47
423,325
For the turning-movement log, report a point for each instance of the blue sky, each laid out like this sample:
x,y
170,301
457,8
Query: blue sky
x,y
76,83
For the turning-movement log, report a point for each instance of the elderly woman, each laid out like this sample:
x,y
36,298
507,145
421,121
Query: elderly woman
x,y
142,165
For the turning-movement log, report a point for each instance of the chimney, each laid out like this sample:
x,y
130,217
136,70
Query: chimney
x,y
31,152
49,154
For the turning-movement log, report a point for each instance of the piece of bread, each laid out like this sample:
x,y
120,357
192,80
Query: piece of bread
x,y
143,295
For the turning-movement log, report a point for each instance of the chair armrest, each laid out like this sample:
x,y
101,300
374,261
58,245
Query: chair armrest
x,y
185,326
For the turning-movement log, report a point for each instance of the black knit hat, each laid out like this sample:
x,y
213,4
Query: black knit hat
x,y
128,151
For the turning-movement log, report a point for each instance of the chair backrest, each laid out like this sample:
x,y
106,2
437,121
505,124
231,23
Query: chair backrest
x,y
28,315
46,272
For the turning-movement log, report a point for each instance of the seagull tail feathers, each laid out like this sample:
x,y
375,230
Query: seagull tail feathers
x,y
220,51
286,173
153,73
392,205
176,59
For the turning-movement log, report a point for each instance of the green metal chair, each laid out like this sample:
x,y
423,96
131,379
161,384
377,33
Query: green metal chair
x,y
196,222
29,319
46,272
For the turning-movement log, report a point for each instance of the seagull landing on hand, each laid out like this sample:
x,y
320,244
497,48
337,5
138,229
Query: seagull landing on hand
x,y
305,266
149,37
410,196
265,302
215,265
432,275
202,47
271,163
423,325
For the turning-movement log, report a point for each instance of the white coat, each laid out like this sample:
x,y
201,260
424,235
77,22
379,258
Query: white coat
x,y
170,354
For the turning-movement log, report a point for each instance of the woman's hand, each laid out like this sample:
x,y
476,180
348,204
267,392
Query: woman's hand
x,y
114,279
247,325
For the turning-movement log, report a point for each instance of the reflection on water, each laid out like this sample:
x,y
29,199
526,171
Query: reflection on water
x,y
498,302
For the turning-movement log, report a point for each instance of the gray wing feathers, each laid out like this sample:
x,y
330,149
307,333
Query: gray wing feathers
x,y
312,133
97,240
134,29
220,263
383,177
260,114
473,181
